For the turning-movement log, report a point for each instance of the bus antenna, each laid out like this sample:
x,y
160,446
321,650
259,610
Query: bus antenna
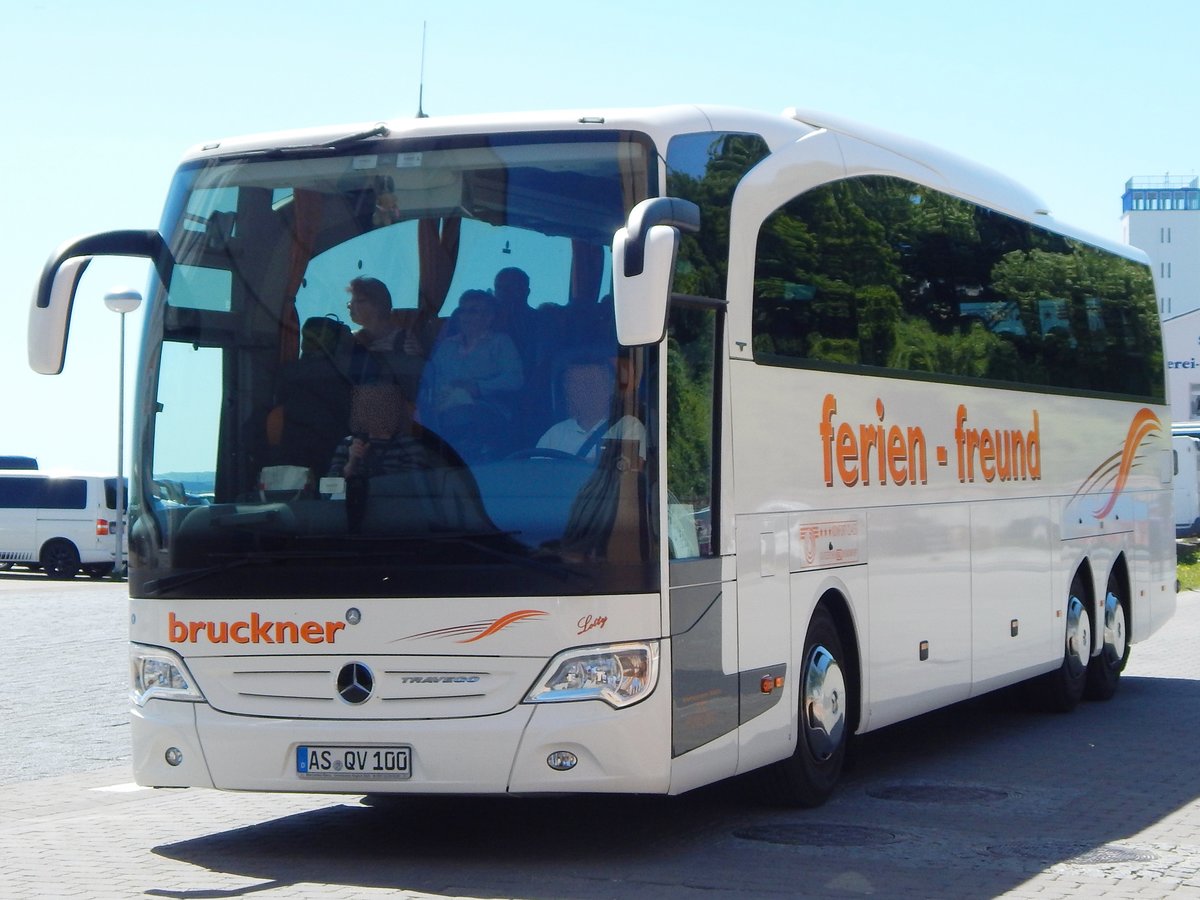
x,y
421,114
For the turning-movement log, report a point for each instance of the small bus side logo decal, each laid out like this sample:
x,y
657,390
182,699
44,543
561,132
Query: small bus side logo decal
x,y
479,630
1114,472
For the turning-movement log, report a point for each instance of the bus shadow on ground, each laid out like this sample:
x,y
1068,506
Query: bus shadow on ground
x,y
972,800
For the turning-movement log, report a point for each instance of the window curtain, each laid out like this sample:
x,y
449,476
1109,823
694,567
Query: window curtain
x,y
307,210
587,271
437,247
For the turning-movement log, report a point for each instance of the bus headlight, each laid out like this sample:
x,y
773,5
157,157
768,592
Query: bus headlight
x,y
618,674
155,672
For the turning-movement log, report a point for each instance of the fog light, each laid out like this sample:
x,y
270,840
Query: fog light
x,y
562,760
174,756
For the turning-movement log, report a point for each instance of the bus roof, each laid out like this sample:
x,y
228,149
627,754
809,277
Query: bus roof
x,y
955,173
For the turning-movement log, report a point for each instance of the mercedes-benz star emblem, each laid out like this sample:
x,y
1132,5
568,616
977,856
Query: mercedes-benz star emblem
x,y
355,683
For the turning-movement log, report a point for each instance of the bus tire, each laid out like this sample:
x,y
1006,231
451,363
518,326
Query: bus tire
x,y
60,559
1104,670
807,777
1062,689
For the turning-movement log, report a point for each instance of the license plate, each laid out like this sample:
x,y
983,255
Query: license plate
x,y
353,762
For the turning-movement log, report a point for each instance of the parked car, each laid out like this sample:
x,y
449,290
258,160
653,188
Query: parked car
x,y
61,524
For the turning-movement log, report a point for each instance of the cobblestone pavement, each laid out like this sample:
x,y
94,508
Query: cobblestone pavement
x,y
981,800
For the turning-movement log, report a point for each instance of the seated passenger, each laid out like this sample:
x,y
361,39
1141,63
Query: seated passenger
x,y
470,381
313,397
384,351
588,386
537,332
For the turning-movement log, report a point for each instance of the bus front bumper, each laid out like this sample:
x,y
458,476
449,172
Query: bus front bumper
x,y
622,751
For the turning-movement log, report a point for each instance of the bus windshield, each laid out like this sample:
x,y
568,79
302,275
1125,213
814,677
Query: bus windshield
x,y
395,373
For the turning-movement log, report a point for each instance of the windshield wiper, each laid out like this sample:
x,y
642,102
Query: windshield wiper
x,y
380,130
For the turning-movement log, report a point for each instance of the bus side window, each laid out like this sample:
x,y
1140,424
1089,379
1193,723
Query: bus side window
x,y
692,347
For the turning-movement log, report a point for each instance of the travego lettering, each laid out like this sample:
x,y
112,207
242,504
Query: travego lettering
x,y
254,630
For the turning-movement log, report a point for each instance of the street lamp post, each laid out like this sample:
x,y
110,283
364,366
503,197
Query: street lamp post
x,y
121,301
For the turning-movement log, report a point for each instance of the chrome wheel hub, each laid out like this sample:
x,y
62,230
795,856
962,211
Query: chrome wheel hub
x,y
824,703
1114,629
1079,636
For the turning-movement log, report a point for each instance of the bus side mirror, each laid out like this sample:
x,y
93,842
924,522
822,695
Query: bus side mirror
x,y
643,265
50,321
54,296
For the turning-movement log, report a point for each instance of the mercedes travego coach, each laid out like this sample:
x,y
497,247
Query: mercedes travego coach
x,y
620,450
62,524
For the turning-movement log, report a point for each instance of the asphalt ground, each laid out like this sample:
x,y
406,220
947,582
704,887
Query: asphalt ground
x,y
981,800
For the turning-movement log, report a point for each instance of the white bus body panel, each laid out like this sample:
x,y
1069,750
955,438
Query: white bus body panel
x,y
938,543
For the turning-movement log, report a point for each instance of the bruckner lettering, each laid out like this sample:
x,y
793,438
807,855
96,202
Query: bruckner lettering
x,y
253,630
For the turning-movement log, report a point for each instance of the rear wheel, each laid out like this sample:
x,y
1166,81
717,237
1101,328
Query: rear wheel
x,y
809,775
1062,689
60,559
1104,671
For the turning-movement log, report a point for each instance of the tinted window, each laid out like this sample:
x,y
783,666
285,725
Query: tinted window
x,y
64,493
706,168
492,467
43,493
882,273
110,493
692,341
19,493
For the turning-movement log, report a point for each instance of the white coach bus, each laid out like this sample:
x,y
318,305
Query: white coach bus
x,y
620,451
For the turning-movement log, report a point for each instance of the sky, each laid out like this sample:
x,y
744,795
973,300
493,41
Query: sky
x,y
1069,97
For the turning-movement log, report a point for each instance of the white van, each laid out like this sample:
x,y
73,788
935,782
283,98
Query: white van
x,y
1187,484
62,524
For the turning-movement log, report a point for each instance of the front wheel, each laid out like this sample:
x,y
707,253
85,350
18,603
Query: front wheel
x,y
807,777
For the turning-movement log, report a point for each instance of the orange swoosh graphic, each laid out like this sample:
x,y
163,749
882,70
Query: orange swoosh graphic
x,y
503,622
1144,424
